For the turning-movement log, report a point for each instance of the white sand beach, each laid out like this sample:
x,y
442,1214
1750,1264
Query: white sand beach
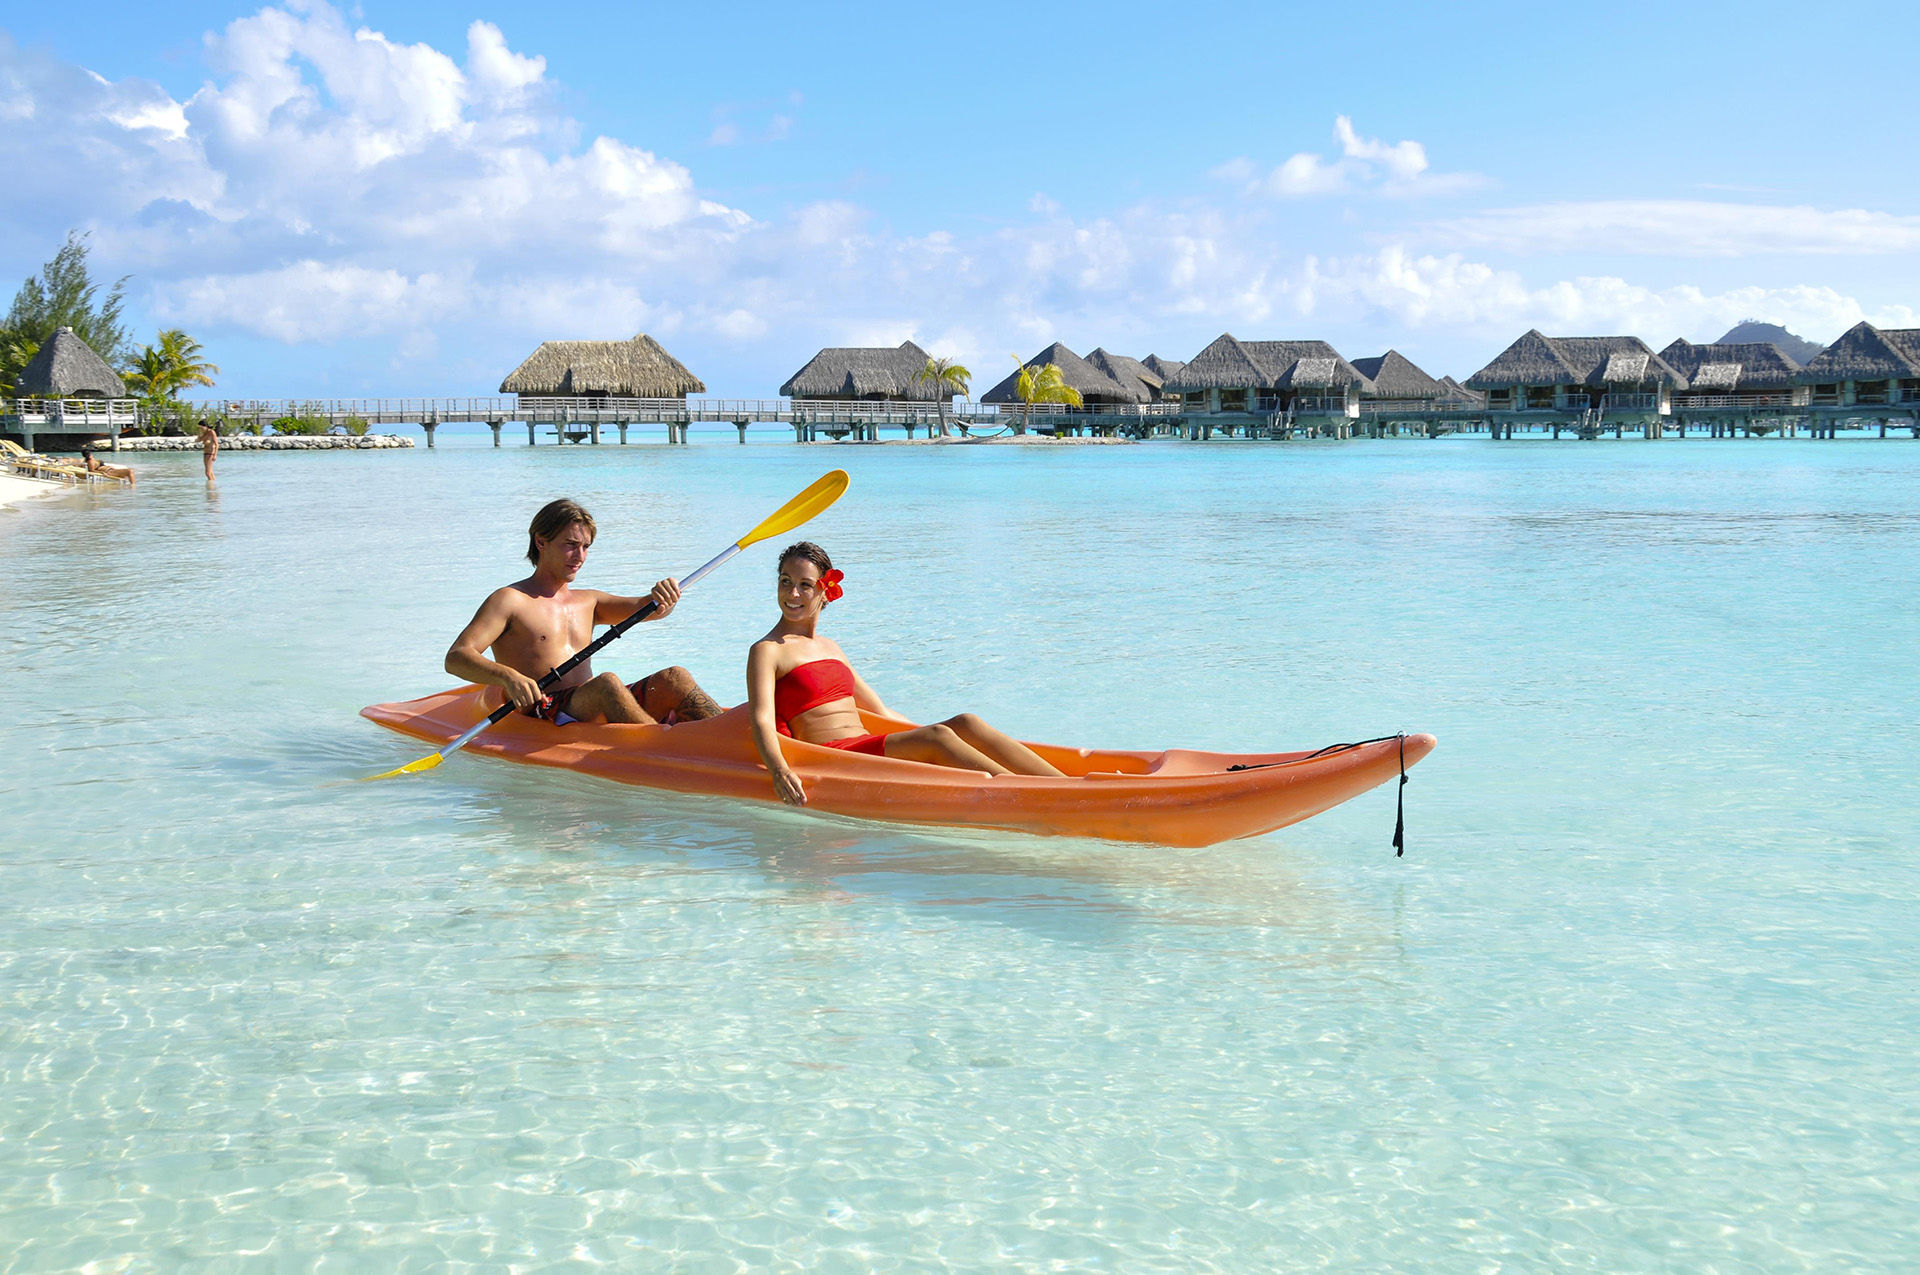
x,y
14,488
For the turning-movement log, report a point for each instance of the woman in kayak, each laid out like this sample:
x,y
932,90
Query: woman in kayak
x,y
799,684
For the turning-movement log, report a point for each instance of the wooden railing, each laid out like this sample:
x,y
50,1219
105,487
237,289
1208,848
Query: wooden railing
x,y
80,411
1721,401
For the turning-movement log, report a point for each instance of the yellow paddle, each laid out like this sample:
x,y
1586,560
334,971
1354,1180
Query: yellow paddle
x,y
788,516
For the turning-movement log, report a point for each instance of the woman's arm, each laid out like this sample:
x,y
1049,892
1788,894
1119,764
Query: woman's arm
x,y
866,697
762,659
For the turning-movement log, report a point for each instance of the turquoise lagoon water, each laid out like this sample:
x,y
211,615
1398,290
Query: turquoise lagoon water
x,y
1641,996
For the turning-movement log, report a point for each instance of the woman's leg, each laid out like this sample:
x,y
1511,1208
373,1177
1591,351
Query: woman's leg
x,y
940,745
1002,747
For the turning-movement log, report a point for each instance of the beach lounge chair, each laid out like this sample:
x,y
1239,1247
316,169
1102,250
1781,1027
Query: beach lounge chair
x,y
34,465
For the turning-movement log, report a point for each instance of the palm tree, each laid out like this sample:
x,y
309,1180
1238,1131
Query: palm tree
x,y
16,351
1041,385
185,367
947,378
148,375
169,365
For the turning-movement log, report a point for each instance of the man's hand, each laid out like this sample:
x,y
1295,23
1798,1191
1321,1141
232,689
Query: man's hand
x,y
665,595
524,691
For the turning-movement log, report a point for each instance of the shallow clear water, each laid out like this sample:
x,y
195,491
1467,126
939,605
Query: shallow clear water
x,y
1641,996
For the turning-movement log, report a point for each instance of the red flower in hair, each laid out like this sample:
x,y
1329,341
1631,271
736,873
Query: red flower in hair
x,y
831,581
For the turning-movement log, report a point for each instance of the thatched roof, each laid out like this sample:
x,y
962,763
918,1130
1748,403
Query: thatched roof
x,y
621,369
1866,353
1726,367
67,367
1230,364
864,373
1224,365
1393,375
1129,372
1162,368
1597,361
1451,391
1094,384
1305,365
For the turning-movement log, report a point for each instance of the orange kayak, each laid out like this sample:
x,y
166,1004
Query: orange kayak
x,y
1179,797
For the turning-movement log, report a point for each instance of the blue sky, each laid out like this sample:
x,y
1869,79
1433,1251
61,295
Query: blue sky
x,y
403,198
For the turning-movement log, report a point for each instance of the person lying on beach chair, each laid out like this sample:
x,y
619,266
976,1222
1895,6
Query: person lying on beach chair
x,y
96,466
533,625
800,685
34,465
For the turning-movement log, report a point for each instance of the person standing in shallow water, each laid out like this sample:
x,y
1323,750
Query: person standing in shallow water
x,y
537,623
800,685
209,447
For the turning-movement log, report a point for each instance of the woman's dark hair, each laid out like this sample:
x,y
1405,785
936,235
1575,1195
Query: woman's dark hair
x,y
807,551
554,518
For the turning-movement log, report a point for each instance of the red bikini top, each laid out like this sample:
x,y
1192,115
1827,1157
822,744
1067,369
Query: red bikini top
x,y
809,686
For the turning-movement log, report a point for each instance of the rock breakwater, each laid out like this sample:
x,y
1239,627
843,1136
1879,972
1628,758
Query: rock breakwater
x,y
268,443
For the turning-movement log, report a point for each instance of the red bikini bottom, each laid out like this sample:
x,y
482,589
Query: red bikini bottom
x,y
874,744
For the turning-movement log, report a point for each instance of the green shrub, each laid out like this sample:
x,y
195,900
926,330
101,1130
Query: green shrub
x,y
300,425
355,426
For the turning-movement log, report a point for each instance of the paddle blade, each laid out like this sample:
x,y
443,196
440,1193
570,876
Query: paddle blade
x,y
411,768
796,511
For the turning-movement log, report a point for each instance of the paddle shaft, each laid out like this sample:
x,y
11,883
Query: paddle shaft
x,y
585,653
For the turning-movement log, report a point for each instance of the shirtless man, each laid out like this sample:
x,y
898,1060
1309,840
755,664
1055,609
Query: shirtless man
x,y
209,447
535,624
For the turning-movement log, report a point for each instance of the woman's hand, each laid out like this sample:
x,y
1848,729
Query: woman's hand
x,y
787,784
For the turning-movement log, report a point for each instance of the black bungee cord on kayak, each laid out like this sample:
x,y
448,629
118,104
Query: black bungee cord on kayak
x,y
1400,804
1400,793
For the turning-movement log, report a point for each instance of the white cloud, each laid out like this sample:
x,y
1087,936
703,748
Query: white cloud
x,y
1398,169
498,73
329,185
1411,293
312,301
1403,161
1677,227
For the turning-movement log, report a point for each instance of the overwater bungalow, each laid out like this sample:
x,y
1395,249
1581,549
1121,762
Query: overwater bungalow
x,y
1577,374
1454,394
639,368
1395,382
1724,375
67,367
1133,373
1097,388
1162,368
1866,367
1265,377
876,374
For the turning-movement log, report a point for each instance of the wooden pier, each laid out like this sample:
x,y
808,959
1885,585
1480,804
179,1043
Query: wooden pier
x,y
570,421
